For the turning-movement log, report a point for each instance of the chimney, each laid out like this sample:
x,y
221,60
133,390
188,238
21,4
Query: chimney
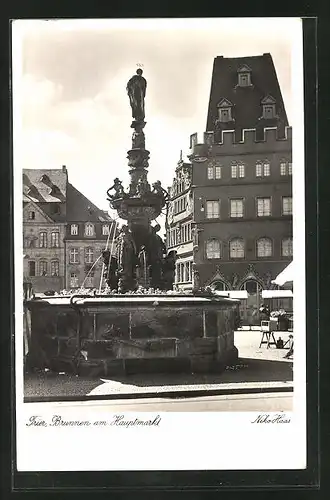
x,y
64,168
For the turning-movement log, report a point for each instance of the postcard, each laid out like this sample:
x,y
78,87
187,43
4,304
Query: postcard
x,y
159,228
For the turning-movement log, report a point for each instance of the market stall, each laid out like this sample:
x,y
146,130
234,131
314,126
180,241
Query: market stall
x,y
280,305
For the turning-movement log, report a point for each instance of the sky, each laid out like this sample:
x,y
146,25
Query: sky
x,y
70,81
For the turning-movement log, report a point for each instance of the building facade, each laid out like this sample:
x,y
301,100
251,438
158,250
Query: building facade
x,y
63,233
241,183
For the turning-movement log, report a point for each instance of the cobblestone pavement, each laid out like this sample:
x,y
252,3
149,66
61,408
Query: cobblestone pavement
x,y
259,367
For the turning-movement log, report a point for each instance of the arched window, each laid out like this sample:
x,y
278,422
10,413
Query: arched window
x,y
55,239
219,285
252,287
43,239
236,248
74,229
55,268
42,267
264,247
89,229
287,250
213,249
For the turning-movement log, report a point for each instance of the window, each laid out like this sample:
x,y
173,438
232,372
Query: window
x,y
74,256
89,255
219,286
32,215
55,239
212,209
55,268
225,114
105,230
43,239
244,79
43,268
269,111
89,229
213,249
214,172
237,170
210,172
186,232
241,170
263,207
285,168
236,249
74,229
183,272
73,280
89,280
32,268
180,205
287,247
258,169
236,208
264,247
287,205
218,172
266,169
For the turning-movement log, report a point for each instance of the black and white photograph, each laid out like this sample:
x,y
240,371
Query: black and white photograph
x,y
159,228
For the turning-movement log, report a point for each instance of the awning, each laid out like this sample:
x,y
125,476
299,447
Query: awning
x,y
276,294
233,294
286,276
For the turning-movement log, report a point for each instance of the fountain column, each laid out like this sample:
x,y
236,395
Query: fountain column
x,y
141,203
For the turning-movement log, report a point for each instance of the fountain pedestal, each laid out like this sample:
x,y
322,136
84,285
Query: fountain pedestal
x,y
118,335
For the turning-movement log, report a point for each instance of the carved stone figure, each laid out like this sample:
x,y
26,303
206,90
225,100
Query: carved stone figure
x,y
118,188
168,270
196,278
142,187
235,281
158,189
136,90
156,251
126,258
138,139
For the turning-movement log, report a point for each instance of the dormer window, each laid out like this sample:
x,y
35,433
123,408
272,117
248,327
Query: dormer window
x,y
244,76
54,190
268,107
89,229
224,111
45,179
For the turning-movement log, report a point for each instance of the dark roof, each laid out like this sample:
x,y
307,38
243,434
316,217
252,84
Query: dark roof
x,y
80,208
247,108
44,185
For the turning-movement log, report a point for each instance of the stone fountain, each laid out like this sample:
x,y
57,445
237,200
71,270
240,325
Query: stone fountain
x,y
142,325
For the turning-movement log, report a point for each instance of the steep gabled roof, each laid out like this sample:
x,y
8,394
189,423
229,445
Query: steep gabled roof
x,y
80,208
36,207
247,107
44,185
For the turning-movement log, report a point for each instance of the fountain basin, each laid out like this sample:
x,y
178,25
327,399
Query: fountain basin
x,y
127,334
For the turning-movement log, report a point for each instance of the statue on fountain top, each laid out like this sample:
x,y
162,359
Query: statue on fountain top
x,y
136,90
